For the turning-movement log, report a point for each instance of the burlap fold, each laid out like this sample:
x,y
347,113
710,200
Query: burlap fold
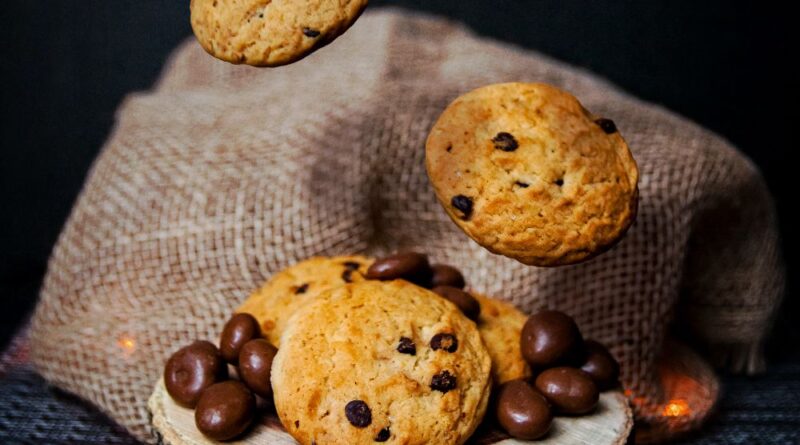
x,y
224,174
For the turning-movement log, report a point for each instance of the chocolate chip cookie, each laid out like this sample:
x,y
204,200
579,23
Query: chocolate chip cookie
x,y
500,325
381,361
297,285
528,173
270,33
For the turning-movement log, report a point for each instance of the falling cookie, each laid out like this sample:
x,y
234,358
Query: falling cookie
x,y
270,32
528,173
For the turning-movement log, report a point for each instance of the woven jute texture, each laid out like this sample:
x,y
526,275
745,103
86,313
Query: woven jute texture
x,y
223,175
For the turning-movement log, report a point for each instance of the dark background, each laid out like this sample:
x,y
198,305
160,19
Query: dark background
x,y
67,64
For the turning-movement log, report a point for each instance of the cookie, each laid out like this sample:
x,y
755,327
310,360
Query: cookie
x,y
270,33
381,362
500,325
295,286
528,173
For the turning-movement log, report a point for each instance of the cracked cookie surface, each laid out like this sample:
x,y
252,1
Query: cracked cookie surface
x,y
270,32
346,371
528,173
295,286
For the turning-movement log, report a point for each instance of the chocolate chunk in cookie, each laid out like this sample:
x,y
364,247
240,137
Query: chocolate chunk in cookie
x,y
447,342
358,413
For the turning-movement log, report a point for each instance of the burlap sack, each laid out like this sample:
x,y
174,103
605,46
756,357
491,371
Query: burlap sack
x,y
223,175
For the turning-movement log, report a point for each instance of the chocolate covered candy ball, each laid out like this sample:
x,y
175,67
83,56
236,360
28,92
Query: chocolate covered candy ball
x,y
465,302
601,366
240,329
569,390
192,369
225,410
551,338
409,266
444,275
255,364
522,411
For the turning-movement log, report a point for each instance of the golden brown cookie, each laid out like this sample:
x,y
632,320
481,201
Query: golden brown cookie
x,y
292,288
528,173
381,362
270,33
500,326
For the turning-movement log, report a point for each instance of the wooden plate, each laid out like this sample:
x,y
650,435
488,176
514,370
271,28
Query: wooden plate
x,y
610,424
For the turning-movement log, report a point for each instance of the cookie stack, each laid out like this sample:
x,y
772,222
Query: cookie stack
x,y
388,350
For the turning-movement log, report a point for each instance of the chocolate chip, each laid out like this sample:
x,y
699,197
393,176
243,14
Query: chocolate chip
x,y
301,289
559,182
406,346
522,184
347,276
464,204
358,413
449,148
310,32
351,265
240,329
383,435
505,141
443,381
448,342
225,410
607,125
191,370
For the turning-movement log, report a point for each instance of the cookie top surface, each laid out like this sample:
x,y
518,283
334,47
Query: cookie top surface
x,y
386,360
270,33
295,286
528,173
500,325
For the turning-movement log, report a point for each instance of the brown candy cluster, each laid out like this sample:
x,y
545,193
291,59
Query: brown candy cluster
x,y
569,375
196,376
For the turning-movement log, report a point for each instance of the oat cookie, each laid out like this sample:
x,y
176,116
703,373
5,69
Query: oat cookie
x,y
295,286
500,326
381,362
270,32
527,172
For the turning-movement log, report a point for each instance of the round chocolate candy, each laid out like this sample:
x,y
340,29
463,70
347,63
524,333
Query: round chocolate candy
x,y
192,369
569,390
409,266
225,410
255,363
551,338
240,329
522,411
444,275
466,302
601,365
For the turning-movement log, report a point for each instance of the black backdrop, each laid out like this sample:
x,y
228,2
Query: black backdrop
x,y
67,64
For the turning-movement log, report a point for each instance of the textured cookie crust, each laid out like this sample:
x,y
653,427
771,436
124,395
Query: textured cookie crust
x,y
270,32
294,287
500,326
343,346
527,172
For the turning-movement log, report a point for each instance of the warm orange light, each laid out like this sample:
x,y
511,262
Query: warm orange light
x,y
128,344
676,408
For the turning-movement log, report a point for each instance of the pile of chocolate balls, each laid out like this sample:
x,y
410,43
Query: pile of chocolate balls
x,y
569,374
